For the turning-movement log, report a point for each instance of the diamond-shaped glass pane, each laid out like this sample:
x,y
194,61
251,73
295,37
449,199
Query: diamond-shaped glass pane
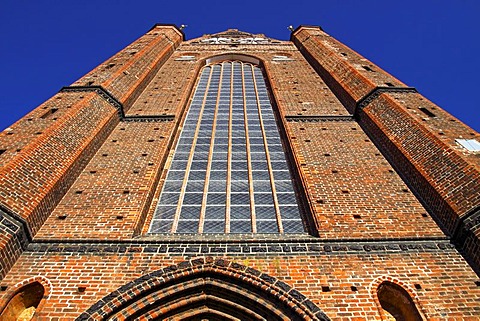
x,y
214,226
230,149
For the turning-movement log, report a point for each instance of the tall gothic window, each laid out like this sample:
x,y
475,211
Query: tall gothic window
x,y
229,173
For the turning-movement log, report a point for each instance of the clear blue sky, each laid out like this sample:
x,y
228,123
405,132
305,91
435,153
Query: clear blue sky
x,y
432,45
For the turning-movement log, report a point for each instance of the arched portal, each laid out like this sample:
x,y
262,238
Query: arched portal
x,y
205,289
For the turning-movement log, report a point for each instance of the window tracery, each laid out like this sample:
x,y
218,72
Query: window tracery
x,y
229,172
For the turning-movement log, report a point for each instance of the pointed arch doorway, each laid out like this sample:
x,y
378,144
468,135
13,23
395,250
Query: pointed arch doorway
x,y
205,289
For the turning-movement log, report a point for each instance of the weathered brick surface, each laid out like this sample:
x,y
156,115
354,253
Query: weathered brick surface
x,y
33,182
115,188
447,285
168,91
126,72
453,177
417,137
298,89
87,180
28,128
10,250
446,178
354,194
342,68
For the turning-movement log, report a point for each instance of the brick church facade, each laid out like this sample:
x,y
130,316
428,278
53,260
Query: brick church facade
x,y
239,177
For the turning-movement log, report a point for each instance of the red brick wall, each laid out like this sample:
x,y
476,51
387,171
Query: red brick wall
x,y
352,189
115,187
441,281
453,177
34,180
125,73
47,149
421,147
91,208
340,67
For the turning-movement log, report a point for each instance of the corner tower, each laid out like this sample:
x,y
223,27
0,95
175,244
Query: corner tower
x,y
198,178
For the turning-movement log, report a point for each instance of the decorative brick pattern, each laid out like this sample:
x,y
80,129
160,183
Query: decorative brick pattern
x,y
249,286
349,75
127,72
386,193
33,182
417,137
443,293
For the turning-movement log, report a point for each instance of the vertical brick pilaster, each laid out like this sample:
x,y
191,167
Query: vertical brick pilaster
x,y
127,73
443,176
349,75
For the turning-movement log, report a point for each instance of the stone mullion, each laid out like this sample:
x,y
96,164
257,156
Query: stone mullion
x,y
229,157
253,216
190,157
210,154
267,155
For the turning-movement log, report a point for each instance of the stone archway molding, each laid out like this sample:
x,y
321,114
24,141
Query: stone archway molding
x,y
205,287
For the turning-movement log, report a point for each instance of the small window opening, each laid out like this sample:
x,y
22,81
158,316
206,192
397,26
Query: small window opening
x,y
427,112
396,302
471,145
110,66
49,113
2,151
88,84
326,288
389,84
24,303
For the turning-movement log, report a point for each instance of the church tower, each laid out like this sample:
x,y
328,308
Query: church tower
x,y
239,177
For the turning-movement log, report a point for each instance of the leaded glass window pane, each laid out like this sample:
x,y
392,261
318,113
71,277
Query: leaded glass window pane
x,y
229,172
